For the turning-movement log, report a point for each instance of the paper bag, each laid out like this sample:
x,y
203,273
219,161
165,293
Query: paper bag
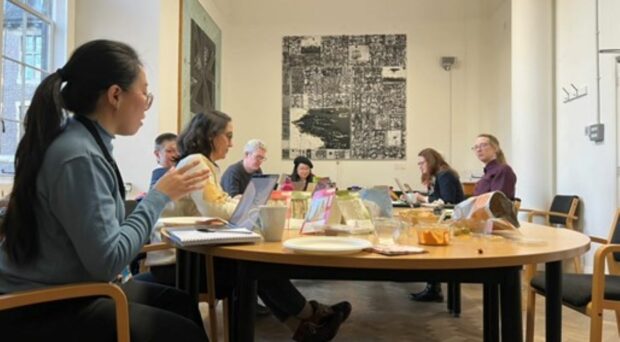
x,y
493,209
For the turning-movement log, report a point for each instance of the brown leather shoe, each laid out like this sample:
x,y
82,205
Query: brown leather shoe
x,y
311,331
321,310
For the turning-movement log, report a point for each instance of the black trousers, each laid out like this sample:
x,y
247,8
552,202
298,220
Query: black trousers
x,y
156,313
278,294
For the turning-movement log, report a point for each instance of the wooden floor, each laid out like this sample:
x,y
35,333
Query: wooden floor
x,y
382,311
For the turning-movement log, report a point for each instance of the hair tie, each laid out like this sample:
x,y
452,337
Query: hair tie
x,y
61,73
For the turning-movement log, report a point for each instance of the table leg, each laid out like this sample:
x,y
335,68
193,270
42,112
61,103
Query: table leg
x,y
188,267
510,292
490,312
243,308
456,299
553,301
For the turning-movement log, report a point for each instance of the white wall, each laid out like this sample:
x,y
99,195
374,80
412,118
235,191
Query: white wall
x,y
152,28
495,77
117,20
532,101
586,168
252,93
474,31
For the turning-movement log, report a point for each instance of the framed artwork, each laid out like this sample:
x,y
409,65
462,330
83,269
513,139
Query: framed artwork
x,y
200,41
344,97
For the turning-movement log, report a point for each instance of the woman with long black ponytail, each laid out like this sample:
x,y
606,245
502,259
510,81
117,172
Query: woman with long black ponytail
x,y
65,221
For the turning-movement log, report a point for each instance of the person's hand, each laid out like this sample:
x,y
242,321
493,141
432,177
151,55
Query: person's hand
x,y
177,183
409,197
421,198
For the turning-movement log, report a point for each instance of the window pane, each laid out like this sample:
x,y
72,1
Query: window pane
x,y
7,169
14,90
26,37
9,138
33,77
12,30
43,6
36,43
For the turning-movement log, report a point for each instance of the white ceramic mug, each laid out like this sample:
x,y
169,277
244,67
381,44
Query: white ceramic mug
x,y
271,221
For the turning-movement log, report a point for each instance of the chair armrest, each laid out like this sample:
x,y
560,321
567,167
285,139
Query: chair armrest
x,y
555,213
597,239
157,246
55,293
598,276
532,213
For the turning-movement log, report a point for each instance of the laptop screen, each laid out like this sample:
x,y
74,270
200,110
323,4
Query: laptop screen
x,y
255,194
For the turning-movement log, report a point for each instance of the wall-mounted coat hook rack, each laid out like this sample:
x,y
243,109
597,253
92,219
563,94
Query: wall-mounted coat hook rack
x,y
574,93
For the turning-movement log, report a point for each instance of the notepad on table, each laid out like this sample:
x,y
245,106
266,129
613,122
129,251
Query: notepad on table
x,y
191,237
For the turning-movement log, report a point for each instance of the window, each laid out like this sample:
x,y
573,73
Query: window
x,y
27,41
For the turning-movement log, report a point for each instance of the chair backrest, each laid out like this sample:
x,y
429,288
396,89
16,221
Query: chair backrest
x,y
564,204
614,237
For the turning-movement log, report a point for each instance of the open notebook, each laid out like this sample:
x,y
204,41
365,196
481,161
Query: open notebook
x,y
200,236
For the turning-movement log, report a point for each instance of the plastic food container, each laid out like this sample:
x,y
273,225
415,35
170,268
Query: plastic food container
x,y
434,234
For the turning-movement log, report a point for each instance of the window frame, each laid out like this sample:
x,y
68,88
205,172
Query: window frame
x,y
52,44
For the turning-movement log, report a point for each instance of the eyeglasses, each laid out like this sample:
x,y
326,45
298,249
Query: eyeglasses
x,y
479,146
420,163
149,100
259,158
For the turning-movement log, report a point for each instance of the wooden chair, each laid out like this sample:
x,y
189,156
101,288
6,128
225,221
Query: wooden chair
x,y
55,293
589,294
209,298
563,212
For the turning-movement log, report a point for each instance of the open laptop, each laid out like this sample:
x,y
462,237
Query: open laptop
x,y
402,189
256,193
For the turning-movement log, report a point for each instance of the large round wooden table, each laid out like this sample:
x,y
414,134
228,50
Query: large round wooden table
x,y
494,262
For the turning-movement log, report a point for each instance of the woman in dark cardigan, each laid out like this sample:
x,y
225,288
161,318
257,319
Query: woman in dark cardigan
x,y
443,184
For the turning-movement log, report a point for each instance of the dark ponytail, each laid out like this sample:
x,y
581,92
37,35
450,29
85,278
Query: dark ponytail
x,y
42,124
91,70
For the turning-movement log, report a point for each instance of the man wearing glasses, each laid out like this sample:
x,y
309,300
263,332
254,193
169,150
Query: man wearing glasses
x,y
237,176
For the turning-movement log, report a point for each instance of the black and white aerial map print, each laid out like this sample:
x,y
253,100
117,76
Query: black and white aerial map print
x,y
344,97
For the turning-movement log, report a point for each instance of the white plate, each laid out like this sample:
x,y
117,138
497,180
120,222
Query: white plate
x,y
186,220
326,245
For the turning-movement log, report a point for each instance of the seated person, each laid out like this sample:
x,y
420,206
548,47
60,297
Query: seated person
x,y
442,183
302,171
237,176
498,175
71,228
207,139
165,153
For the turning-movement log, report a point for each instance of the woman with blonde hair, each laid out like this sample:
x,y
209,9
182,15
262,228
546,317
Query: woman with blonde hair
x,y
498,175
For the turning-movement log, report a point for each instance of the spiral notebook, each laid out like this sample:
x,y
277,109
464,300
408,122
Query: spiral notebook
x,y
208,236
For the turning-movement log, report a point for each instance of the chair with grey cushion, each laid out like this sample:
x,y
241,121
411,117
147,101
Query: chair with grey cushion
x,y
562,213
589,294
